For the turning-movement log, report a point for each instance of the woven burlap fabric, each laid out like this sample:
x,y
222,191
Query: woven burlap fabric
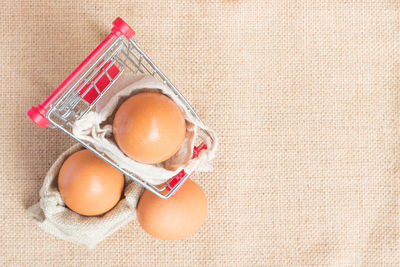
x,y
304,97
52,215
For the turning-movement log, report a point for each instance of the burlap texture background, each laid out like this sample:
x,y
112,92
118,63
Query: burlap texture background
x,y
304,97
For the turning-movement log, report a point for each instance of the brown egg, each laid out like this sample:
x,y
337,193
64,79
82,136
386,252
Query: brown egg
x,y
88,185
174,218
149,127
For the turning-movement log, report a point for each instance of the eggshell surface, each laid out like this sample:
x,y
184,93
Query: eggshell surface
x,y
149,127
174,218
88,185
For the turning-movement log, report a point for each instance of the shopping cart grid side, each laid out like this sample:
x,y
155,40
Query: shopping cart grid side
x,y
79,93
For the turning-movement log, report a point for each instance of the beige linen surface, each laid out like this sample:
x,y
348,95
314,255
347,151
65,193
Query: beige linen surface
x,y
304,97
51,214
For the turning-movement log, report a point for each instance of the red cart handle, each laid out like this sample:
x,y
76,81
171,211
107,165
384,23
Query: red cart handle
x,y
37,114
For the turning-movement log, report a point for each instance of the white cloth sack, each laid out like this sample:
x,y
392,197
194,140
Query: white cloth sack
x,y
95,128
51,214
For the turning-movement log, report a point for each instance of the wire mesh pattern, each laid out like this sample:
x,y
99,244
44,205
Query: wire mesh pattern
x,y
121,55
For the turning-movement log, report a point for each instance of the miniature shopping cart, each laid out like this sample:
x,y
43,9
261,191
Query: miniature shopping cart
x,y
78,94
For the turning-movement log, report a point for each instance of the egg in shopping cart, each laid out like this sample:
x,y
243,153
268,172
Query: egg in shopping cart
x,y
88,185
149,127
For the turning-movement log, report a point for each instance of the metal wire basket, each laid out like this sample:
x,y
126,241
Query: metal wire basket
x,y
79,93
